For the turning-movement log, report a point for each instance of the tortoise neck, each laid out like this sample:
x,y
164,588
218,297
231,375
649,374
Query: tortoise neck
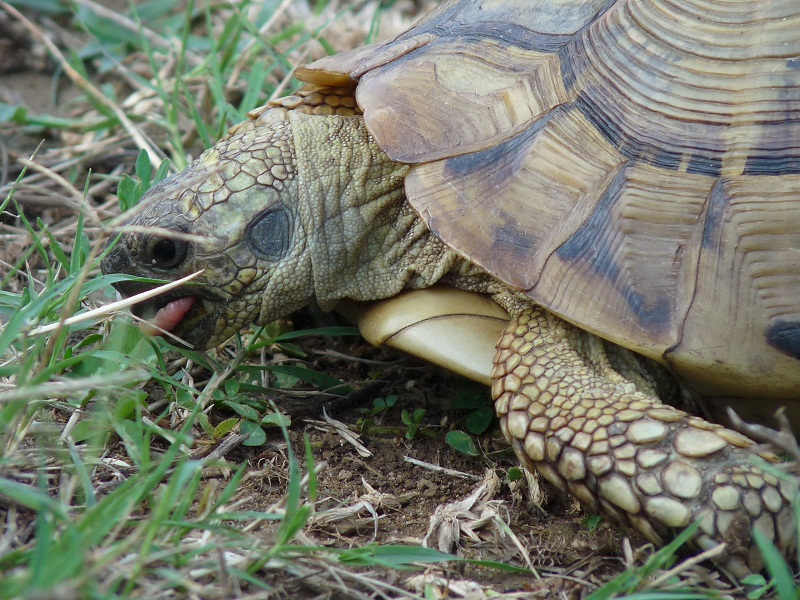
x,y
365,241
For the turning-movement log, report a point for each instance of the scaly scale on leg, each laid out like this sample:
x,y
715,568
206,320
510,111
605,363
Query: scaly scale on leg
x,y
624,453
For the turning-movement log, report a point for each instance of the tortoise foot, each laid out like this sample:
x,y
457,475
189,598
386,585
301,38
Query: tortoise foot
x,y
625,454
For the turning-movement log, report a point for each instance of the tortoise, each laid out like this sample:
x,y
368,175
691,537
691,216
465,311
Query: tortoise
x,y
621,177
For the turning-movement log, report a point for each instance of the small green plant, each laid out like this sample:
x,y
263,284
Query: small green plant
x,y
758,586
131,190
462,442
369,423
413,421
480,417
592,522
252,422
475,399
379,406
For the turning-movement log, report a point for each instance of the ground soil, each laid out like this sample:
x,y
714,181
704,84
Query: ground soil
x,y
569,556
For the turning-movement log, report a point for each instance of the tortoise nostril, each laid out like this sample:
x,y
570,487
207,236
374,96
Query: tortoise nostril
x,y
115,261
165,253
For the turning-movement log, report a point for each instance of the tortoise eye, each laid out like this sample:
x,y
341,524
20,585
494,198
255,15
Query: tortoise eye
x,y
269,234
166,253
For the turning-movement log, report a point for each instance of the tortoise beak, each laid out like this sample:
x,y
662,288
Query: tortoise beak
x,y
191,326
117,260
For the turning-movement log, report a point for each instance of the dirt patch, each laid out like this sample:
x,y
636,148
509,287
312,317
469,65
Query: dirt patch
x,y
385,498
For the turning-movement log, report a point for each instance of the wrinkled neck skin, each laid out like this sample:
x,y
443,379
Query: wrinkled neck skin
x,y
364,240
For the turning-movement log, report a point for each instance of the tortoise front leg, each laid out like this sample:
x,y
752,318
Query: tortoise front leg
x,y
625,454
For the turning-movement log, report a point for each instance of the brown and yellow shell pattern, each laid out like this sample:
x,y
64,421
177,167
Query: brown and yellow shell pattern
x,y
633,165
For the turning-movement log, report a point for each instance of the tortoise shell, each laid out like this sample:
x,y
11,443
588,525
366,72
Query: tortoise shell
x,y
632,165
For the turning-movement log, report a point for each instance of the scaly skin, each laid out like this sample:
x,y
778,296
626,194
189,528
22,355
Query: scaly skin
x,y
347,232
625,454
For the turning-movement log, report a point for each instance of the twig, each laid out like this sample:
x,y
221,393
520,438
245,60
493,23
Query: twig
x,y
438,469
340,428
59,389
114,306
687,564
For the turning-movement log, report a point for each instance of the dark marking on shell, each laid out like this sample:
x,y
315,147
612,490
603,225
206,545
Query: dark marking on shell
x,y
567,67
502,34
703,164
510,241
775,163
547,29
784,336
499,162
591,244
717,206
631,148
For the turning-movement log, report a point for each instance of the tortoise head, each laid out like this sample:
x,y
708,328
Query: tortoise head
x,y
233,214
287,208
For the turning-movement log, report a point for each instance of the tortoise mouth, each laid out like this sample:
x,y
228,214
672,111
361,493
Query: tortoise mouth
x,y
185,318
163,316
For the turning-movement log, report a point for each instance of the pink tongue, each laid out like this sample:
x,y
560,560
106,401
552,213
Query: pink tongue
x,y
168,317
